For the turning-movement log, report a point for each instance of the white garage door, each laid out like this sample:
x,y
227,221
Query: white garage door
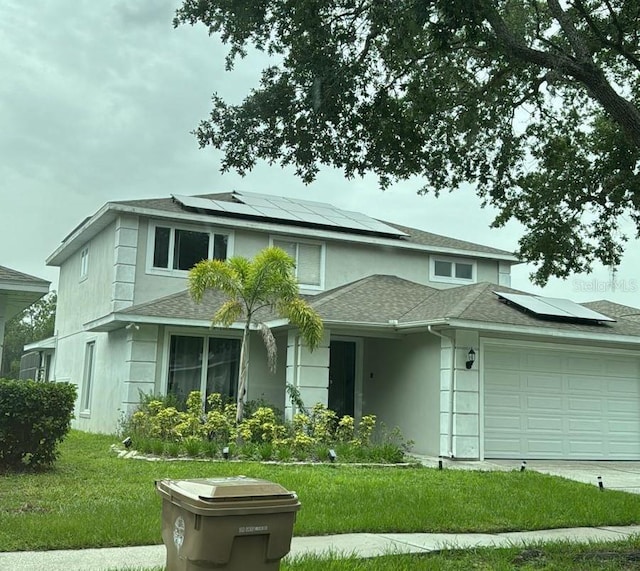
x,y
547,404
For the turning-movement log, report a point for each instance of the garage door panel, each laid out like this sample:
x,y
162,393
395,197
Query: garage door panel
x,y
585,383
506,447
541,361
537,446
542,384
621,368
587,448
585,425
584,405
624,406
535,403
576,406
627,387
543,424
506,423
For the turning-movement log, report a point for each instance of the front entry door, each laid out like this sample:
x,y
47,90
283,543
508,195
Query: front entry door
x,y
342,377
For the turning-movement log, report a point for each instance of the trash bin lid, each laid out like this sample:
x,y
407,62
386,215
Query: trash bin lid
x,y
232,492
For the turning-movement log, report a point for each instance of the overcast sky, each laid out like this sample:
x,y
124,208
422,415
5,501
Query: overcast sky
x,y
97,102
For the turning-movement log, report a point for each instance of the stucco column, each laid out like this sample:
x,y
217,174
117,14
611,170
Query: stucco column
x,y
466,410
140,365
125,252
307,371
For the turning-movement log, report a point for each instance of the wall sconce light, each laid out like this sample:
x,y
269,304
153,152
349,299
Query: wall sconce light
x,y
471,358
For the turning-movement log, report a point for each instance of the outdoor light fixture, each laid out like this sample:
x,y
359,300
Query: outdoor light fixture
x,y
523,466
332,455
471,358
600,483
127,442
225,452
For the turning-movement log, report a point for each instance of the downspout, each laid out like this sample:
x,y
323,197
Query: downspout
x,y
452,379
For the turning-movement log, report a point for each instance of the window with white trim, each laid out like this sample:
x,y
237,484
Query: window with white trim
x,y
84,263
309,258
180,248
87,377
202,363
452,270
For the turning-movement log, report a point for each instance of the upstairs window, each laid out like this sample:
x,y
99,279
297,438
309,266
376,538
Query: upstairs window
x,y
309,258
84,263
180,249
453,270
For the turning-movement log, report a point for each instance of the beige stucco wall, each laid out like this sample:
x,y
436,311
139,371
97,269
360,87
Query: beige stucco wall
x,y
402,386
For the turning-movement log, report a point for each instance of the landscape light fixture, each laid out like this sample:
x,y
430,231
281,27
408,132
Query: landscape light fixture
x,y
523,466
471,358
127,442
332,455
600,484
225,452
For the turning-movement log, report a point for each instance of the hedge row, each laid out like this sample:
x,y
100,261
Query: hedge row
x,y
34,418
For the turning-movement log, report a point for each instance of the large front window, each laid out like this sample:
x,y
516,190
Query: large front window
x,y
181,249
205,364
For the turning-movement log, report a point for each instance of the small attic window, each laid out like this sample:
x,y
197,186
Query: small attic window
x,y
452,270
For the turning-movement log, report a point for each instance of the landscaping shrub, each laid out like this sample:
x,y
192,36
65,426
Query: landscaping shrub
x,y
34,418
160,427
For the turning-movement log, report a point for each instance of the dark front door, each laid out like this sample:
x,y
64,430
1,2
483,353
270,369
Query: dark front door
x,y
342,377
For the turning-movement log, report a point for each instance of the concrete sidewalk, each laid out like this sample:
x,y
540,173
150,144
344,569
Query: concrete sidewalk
x,y
358,544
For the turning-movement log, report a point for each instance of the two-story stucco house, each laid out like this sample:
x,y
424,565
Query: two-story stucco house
x,y
420,329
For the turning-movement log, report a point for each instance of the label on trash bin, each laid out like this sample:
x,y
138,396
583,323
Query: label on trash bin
x,y
253,529
178,532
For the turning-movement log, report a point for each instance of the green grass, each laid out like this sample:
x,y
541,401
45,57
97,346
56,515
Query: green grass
x,y
623,555
557,556
94,499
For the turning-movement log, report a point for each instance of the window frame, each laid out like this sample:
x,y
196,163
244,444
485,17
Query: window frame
x,y
297,241
169,270
84,263
452,279
88,378
205,338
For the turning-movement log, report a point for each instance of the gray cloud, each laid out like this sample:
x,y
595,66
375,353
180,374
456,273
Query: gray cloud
x,y
97,101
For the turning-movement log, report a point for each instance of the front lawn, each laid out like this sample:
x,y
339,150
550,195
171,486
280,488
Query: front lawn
x,y
94,499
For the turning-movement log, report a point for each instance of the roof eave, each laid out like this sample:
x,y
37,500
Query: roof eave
x,y
543,331
105,215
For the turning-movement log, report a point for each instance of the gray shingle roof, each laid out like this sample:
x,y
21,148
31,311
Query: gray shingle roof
x,y
415,236
380,298
7,274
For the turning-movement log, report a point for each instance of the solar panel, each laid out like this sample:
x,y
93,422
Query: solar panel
x,y
553,307
302,212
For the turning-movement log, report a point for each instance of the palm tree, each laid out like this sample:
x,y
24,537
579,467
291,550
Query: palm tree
x,y
267,281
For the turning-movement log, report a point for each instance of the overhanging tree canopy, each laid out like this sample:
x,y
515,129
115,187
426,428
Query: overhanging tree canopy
x,y
534,102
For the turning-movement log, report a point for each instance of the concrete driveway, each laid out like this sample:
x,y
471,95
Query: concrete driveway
x,y
623,476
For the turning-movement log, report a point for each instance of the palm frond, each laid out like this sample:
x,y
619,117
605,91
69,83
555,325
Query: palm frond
x,y
306,319
229,312
270,345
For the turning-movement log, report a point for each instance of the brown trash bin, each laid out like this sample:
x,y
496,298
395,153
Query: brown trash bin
x,y
236,524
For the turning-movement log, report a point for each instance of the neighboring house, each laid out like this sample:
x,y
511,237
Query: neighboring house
x,y
17,292
420,329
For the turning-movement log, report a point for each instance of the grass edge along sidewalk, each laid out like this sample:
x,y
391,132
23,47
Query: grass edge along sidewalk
x,y
94,499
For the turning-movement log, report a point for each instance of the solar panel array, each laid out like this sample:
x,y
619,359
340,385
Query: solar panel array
x,y
553,307
299,212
